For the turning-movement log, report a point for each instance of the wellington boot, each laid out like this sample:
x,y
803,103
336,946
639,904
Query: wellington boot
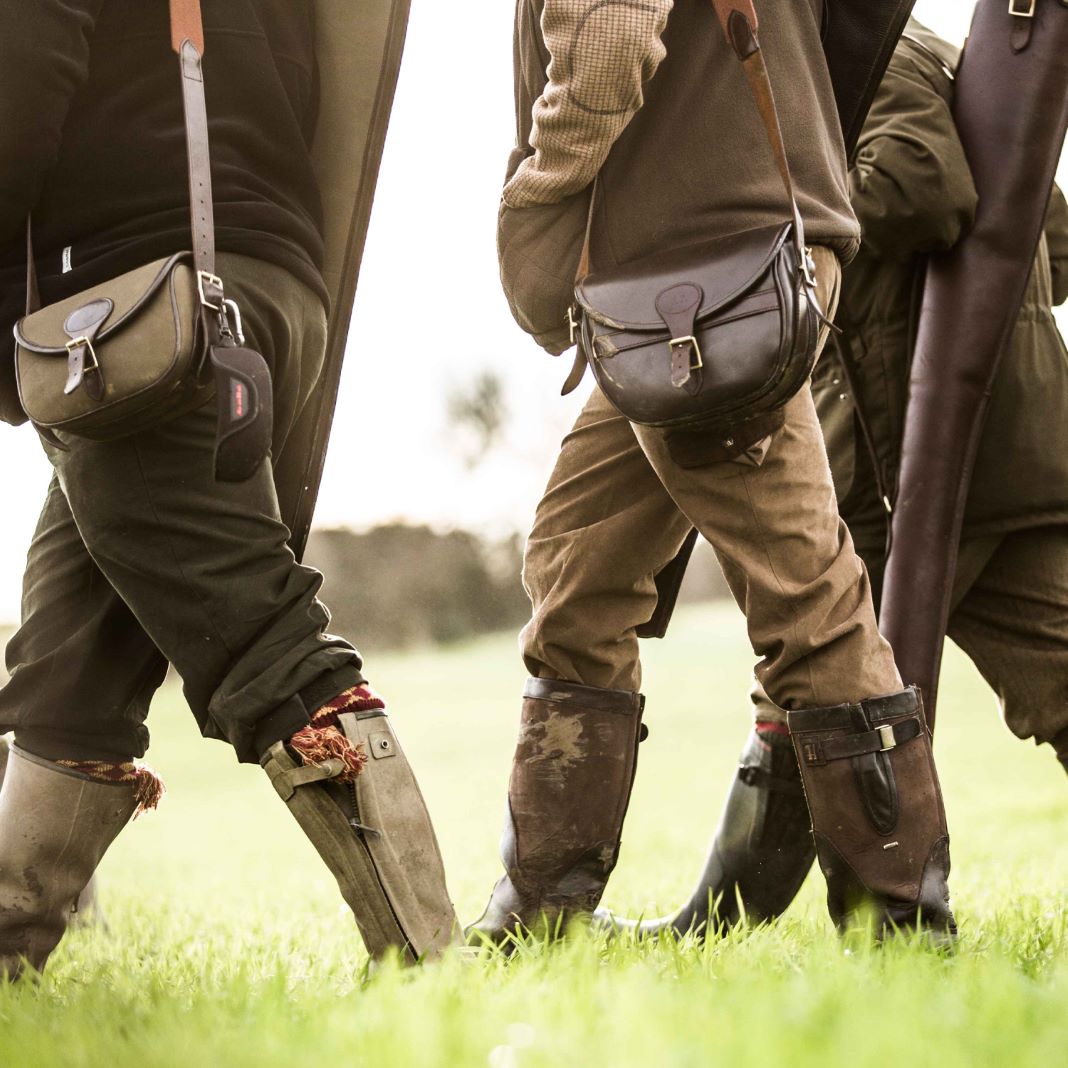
x,y
570,786
88,911
760,854
55,826
375,836
877,814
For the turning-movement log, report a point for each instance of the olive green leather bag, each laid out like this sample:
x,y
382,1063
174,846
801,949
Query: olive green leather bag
x,y
157,341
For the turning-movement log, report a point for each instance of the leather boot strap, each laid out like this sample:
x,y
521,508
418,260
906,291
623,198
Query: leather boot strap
x,y
880,740
287,777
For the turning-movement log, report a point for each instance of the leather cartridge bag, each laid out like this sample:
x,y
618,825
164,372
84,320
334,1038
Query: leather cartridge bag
x,y
715,333
159,340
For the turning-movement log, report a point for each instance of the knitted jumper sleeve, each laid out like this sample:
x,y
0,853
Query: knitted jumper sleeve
x,y
602,52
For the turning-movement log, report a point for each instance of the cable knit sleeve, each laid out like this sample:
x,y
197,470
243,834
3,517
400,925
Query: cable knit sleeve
x,y
602,52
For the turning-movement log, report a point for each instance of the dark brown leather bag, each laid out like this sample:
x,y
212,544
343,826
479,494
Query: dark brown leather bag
x,y
716,333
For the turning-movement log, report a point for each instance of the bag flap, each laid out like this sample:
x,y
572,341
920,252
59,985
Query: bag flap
x,y
43,332
625,297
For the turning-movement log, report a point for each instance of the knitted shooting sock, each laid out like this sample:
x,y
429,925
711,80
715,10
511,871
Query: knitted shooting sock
x,y
323,739
772,732
148,786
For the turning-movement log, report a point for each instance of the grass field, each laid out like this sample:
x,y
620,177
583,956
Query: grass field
x,y
228,944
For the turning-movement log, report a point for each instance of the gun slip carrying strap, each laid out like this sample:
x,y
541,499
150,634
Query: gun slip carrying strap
x,y
739,21
187,40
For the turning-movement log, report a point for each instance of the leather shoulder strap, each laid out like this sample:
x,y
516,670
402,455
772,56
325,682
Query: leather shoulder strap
x,y
186,25
739,21
187,40
33,298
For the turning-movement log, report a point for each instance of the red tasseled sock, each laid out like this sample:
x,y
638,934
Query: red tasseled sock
x,y
764,726
323,739
148,786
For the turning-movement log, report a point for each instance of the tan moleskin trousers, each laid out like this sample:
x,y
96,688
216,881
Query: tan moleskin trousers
x,y
618,508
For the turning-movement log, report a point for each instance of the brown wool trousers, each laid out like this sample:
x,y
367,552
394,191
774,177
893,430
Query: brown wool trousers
x,y
618,508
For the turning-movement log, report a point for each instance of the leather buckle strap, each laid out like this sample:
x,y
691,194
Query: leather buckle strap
x,y
287,778
678,306
78,342
210,290
696,359
880,740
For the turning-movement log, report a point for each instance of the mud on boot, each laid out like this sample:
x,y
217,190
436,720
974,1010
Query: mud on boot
x,y
568,794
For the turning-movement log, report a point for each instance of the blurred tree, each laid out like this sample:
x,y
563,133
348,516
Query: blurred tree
x,y
400,585
477,413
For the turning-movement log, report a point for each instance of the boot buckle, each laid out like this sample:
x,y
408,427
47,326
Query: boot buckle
x,y
887,737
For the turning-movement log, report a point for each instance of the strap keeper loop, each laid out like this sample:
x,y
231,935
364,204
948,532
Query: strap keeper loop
x,y
208,281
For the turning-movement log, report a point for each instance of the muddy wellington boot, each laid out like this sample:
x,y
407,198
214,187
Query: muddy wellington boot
x,y
367,820
569,790
55,826
760,854
88,909
877,814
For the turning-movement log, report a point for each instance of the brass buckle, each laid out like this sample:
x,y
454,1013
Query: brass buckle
x,y
207,278
1016,8
886,735
84,343
696,359
572,323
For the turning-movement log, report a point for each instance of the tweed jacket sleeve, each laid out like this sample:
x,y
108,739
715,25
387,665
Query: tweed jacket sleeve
x,y
44,54
911,185
601,56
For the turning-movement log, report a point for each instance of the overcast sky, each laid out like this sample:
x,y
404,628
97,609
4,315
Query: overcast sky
x,y
393,455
